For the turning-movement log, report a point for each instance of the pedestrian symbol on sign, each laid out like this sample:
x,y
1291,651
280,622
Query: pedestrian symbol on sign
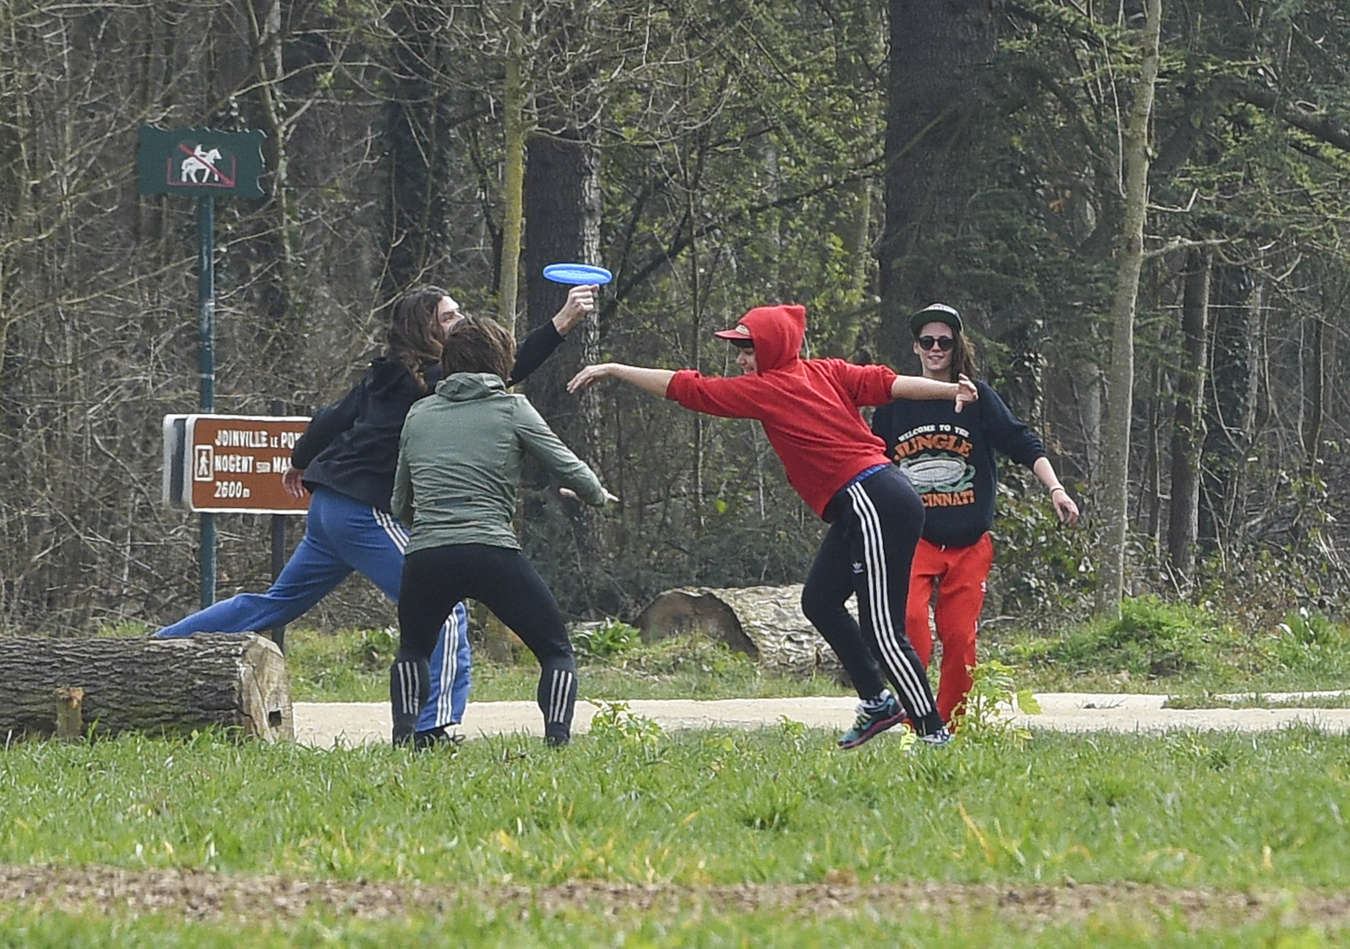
x,y
201,464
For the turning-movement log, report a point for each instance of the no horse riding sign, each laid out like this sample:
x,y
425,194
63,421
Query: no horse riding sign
x,y
199,161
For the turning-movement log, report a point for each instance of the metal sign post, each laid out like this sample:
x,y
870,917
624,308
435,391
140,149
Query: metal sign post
x,y
206,368
202,162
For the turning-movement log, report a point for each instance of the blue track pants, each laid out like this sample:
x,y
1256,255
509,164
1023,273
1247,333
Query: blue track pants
x,y
342,535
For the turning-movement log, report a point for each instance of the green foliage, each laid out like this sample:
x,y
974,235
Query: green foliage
x,y
1310,640
1183,648
1152,638
993,694
493,918
605,640
693,667
1299,700
616,723
772,804
1259,583
1041,569
1156,645
352,665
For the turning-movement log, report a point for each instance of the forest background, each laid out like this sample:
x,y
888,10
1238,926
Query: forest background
x,y
1139,207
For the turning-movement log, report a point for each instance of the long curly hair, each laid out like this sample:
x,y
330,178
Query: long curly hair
x,y
414,337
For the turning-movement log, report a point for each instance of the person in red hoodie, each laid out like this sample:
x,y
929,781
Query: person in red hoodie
x,y
810,412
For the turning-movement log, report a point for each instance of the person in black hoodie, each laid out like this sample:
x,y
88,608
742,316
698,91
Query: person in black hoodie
x,y
950,459
346,459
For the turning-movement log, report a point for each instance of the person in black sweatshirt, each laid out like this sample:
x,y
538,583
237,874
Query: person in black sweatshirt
x,y
951,461
346,459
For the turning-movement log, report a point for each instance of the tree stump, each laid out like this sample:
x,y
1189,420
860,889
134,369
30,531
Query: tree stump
x,y
765,623
107,685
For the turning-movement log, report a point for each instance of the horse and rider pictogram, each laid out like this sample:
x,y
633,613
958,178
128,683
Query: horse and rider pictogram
x,y
200,161
200,165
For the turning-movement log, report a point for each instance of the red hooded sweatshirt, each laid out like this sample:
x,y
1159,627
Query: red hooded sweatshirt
x,y
808,407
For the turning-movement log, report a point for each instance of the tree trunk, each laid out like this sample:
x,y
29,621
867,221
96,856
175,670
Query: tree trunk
x,y
173,685
419,154
1188,424
562,222
1317,373
513,172
934,50
1120,376
765,623
272,255
1230,408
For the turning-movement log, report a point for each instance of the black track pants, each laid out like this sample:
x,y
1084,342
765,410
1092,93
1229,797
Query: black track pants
x,y
875,525
435,579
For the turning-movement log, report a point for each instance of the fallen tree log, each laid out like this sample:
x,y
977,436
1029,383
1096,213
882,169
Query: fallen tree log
x,y
764,622
104,685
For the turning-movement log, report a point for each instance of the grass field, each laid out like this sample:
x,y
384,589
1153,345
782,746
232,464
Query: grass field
x,y
636,837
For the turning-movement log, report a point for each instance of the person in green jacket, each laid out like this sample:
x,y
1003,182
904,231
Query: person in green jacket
x,y
455,483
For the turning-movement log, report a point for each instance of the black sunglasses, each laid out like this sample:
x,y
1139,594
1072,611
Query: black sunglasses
x,y
943,343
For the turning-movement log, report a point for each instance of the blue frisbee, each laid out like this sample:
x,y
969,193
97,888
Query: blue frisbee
x,y
577,273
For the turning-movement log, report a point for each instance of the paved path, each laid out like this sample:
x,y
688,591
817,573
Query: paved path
x,y
323,724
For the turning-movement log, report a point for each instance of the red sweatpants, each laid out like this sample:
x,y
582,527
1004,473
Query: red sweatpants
x,y
959,574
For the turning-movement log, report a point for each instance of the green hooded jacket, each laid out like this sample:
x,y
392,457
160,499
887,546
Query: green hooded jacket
x,y
459,463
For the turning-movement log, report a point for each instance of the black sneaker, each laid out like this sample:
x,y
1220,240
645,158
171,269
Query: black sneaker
x,y
438,738
872,721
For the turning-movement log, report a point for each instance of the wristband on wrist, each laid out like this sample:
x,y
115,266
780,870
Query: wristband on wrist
x,y
1058,487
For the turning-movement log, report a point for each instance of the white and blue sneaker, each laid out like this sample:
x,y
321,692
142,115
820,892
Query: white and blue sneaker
x,y
937,739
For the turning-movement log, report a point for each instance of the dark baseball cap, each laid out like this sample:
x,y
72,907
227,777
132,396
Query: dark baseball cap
x,y
935,313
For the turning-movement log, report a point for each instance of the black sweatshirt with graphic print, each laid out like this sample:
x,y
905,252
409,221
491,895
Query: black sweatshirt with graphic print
x,y
950,458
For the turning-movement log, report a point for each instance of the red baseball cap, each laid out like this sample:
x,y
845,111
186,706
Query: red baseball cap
x,y
740,333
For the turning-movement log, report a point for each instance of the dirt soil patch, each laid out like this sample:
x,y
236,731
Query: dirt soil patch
x,y
213,896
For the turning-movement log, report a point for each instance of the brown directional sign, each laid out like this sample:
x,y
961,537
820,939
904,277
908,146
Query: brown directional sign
x,y
231,463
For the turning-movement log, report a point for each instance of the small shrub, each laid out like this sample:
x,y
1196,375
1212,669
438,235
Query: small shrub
x,y
1309,640
606,639
689,654
373,650
616,722
993,695
1151,639
771,804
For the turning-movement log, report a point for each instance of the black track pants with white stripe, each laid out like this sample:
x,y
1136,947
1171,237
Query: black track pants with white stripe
x,y
874,527
437,578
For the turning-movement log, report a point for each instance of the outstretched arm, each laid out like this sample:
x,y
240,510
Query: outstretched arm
x,y
917,387
545,338
652,381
